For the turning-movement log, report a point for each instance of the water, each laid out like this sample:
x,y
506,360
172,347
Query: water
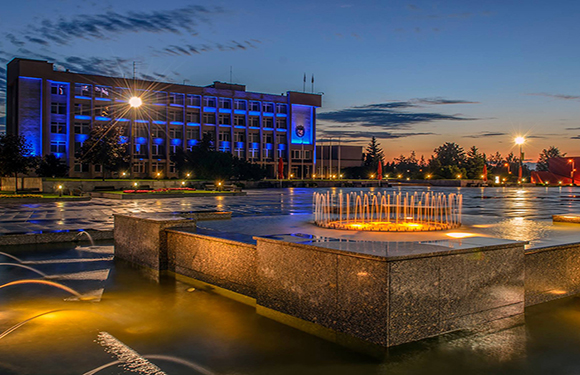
x,y
181,330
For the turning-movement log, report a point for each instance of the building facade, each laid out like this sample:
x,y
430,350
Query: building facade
x,y
55,111
331,158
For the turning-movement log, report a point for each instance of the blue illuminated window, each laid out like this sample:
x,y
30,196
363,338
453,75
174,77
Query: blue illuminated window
x,y
82,89
255,106
209,118
102,92
209,101
194,100
269,107
57,147
58,127
175,98
226,103
254,121
281,123
240,104
268,122
58,89
281,108
58,108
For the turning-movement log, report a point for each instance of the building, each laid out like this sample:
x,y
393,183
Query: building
x,y
55,111
560,171
331,158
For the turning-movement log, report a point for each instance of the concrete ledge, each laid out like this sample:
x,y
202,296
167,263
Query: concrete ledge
x,y
164,196
51,237
4,201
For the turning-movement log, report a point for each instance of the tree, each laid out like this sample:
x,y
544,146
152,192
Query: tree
x,y
545,155
374,154
474,163
450,153
104,147
15,156
51,166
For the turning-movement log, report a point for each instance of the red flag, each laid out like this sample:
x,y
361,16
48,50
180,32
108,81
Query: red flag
x,y
485,173
280,168
380,171
520,173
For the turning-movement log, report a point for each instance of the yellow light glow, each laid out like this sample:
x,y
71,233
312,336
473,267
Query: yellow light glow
x,y
219,184
341,176
135,102
189,174
520,140
558,292
182,182
60,186
459,235
314,175
135,184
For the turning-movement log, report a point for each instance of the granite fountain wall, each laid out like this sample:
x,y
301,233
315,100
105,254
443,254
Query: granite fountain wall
x,y
341,292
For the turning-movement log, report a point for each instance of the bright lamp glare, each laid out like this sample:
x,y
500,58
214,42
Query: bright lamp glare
x,y
135,102
520,140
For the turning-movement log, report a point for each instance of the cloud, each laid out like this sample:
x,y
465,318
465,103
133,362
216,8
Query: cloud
x,y
412,7
390,115
15,41
576,137
110,24
556,96
95,65
354,135
485,134
439,100
190,50
575,128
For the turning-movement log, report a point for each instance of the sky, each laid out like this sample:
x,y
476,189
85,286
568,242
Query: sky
x,y
415,74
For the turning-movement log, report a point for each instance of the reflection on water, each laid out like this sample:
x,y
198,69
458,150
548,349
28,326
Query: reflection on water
x,y
168,326
520,229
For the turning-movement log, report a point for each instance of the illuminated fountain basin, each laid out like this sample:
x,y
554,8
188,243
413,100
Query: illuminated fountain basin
x,y
382,212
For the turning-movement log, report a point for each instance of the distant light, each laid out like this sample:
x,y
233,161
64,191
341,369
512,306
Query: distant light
x,y
135,102
520,140
182,182
459,235
60,186
135,184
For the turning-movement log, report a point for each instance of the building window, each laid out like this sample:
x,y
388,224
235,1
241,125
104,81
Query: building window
x,y
240,152
102,91
160,97
175,98
193,100
268,122
209,101
192,134
81,167
82,109
209,118
254,153
58,127
139,167
98,168
224,119
225,137
158,114
254,121
140,149
240,104
58,108
173,149
157,150
82,128
225,103
57,147
254,137
240,120
267,153
176,116
82,89
268,137
280,138
193,117
281,108
239,137
254,106
269,107
57,89
102,110
307,154
175,133
157,132
295,154
281,123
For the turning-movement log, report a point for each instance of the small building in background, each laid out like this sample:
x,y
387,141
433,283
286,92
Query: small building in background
x,y
560,171
331,158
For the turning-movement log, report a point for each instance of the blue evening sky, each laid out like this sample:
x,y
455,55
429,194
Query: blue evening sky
x,y
413,73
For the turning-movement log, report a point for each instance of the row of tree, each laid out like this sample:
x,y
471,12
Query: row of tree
x,y
448,162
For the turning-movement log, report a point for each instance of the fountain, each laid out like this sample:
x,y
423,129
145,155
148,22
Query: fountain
x,y
396,212
88,235
25,267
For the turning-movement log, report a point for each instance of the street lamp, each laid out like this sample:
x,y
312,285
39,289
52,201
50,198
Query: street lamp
x,y
60,190
135,102
572,170
520,141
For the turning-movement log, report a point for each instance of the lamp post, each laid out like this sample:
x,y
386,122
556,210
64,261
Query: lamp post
x,y
520,141
135,102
